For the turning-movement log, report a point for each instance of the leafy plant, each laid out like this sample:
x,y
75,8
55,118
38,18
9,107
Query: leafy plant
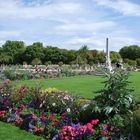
x,y
116,96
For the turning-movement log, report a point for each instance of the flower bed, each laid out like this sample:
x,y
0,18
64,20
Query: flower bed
x,y
56,115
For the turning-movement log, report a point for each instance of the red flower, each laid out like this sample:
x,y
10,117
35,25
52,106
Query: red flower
x,y
55,124
19,97
24,90
39,130
23,106
63,114
2,114
52,118
43,118
15,109
19,121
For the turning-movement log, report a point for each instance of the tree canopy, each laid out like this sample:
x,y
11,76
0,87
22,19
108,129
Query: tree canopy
x,y
16,52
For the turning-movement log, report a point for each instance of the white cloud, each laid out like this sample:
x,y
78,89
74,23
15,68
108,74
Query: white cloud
x,y
16,9
86,26
99,42
122,6
70,23
6,34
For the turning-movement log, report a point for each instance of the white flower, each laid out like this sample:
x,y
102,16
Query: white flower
x,y
66,98
85,106
41,105
68,109
63,102
53,104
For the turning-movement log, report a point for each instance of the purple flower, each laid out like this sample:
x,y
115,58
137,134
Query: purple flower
x,y
31,126
55,137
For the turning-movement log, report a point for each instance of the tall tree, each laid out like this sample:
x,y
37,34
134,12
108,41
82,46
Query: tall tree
x,y
130,52
14,50
33,51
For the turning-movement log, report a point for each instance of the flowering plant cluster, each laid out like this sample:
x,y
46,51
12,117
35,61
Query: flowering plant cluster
x,y
57,101
51,114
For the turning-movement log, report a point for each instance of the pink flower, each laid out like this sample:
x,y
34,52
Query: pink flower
x,y
7,82
105,126
34,116
23,106
94,122
20,112
104,133
63,114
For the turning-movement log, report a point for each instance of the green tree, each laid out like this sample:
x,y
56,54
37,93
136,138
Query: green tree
x,y
33,51
138,61
101,57
115,57
14,50
36,61
130,52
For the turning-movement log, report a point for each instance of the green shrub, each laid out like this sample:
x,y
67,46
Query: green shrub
x,y
17,74
116,96
136,125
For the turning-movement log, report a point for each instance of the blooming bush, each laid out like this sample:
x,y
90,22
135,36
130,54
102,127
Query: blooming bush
x,y
5,95
57,115
57,101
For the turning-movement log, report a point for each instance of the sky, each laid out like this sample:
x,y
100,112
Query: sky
x,y
71,24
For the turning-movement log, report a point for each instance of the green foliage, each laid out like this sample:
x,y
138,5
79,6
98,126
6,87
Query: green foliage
x,y
132,62
136,125
130,52
60,63
138,61
14,50
131,55
116,96
34,51
17,75
36,61
115,57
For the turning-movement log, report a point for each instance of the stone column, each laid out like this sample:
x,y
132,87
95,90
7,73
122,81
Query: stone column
x,y
108,61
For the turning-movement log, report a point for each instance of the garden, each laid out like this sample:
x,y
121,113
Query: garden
x,y
56,114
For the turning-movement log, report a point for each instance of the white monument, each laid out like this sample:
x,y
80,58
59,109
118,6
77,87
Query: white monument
x,y
108,61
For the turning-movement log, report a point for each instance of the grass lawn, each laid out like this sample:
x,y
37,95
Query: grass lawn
x,y
9,132
82,85
85,86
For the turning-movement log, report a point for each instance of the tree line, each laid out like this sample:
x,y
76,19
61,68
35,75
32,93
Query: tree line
x,y
131,55
16,52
